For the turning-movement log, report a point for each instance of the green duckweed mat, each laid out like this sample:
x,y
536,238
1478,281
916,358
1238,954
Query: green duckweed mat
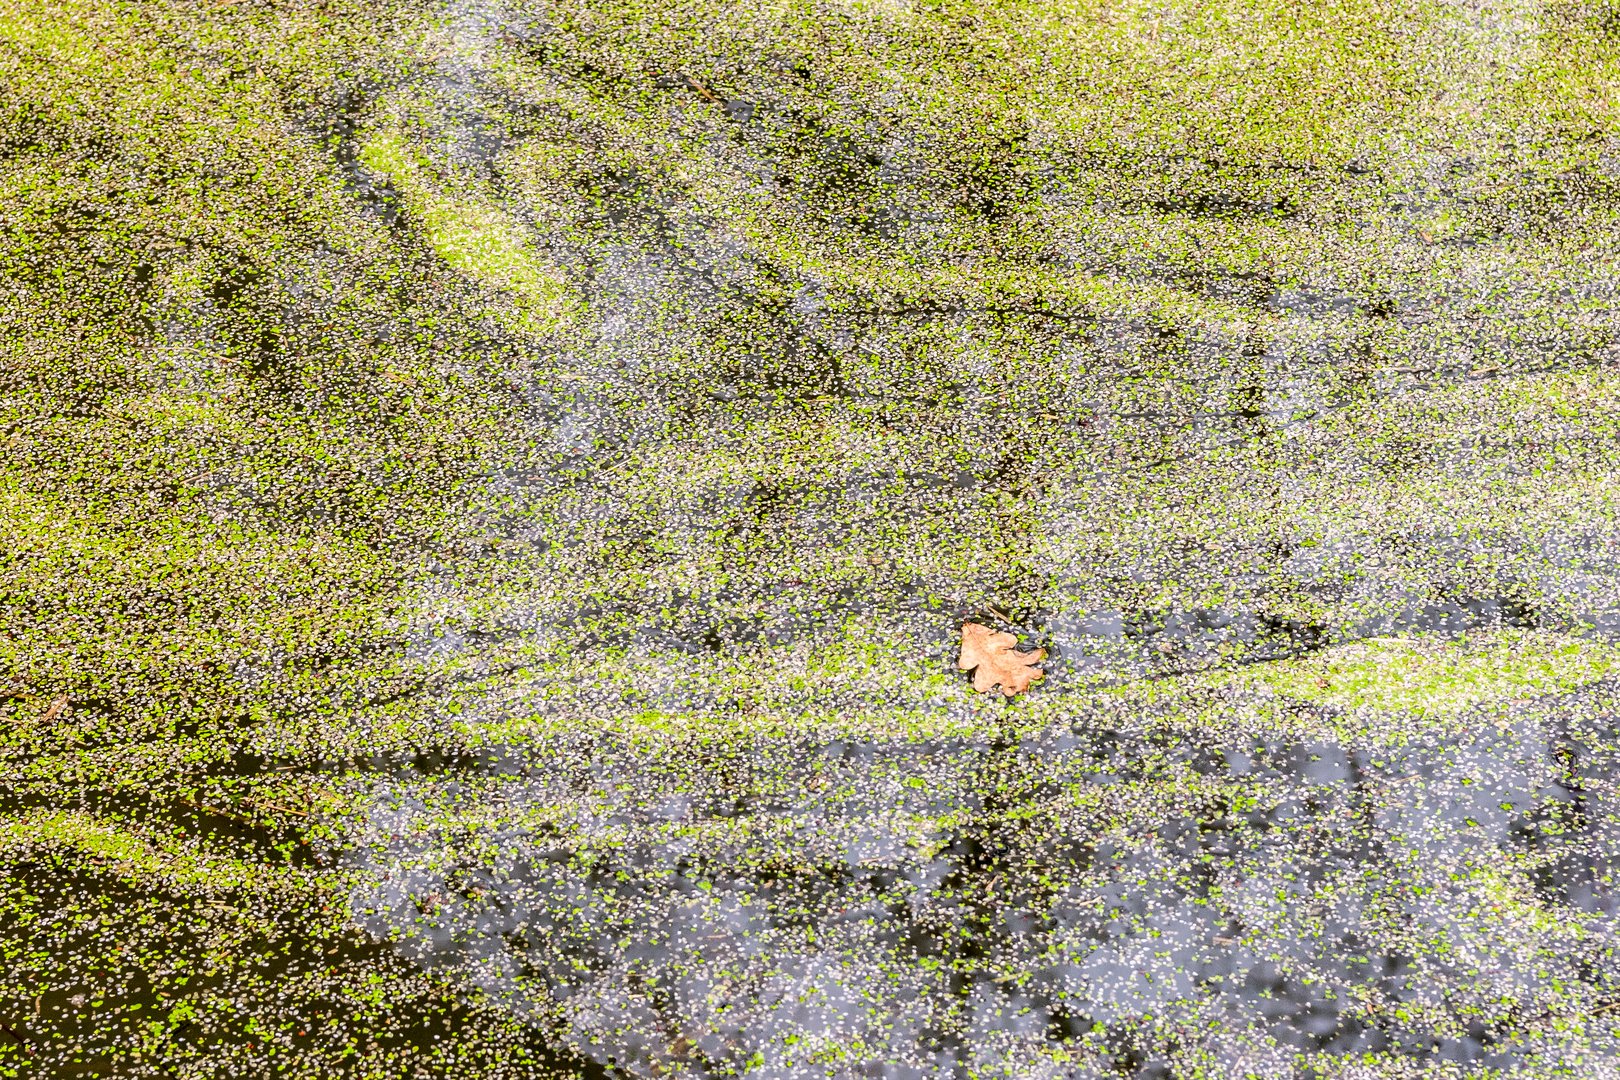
x,y
489,493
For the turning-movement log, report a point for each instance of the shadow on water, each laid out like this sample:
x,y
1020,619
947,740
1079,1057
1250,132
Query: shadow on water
x,y
214,987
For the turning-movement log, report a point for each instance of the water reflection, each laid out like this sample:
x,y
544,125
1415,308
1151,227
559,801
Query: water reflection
x,y
1084,899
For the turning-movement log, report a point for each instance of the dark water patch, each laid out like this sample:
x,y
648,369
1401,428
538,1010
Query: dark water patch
x,y
1540,205
337,122
83,263
1153,643
1452,615
28,127
242,829
1226,205
248,314
222,983
246,802
993,179
797,366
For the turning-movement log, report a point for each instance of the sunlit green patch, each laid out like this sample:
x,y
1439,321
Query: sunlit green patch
x,y
1435,679
134,857
474,238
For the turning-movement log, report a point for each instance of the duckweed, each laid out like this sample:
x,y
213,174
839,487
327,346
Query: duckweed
x,y
491,490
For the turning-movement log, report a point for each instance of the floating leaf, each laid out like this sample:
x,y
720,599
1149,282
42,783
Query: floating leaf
x,y
994,661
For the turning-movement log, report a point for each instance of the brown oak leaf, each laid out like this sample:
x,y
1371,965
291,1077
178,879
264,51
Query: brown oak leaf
x,y
995,662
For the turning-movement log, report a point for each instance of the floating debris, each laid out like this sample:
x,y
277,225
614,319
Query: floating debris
x,y
995,660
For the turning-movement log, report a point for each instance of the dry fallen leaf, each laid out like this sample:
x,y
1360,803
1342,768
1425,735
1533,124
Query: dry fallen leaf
x,y
992,654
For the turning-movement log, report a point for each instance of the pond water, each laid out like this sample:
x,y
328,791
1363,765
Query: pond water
x,y
495,489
